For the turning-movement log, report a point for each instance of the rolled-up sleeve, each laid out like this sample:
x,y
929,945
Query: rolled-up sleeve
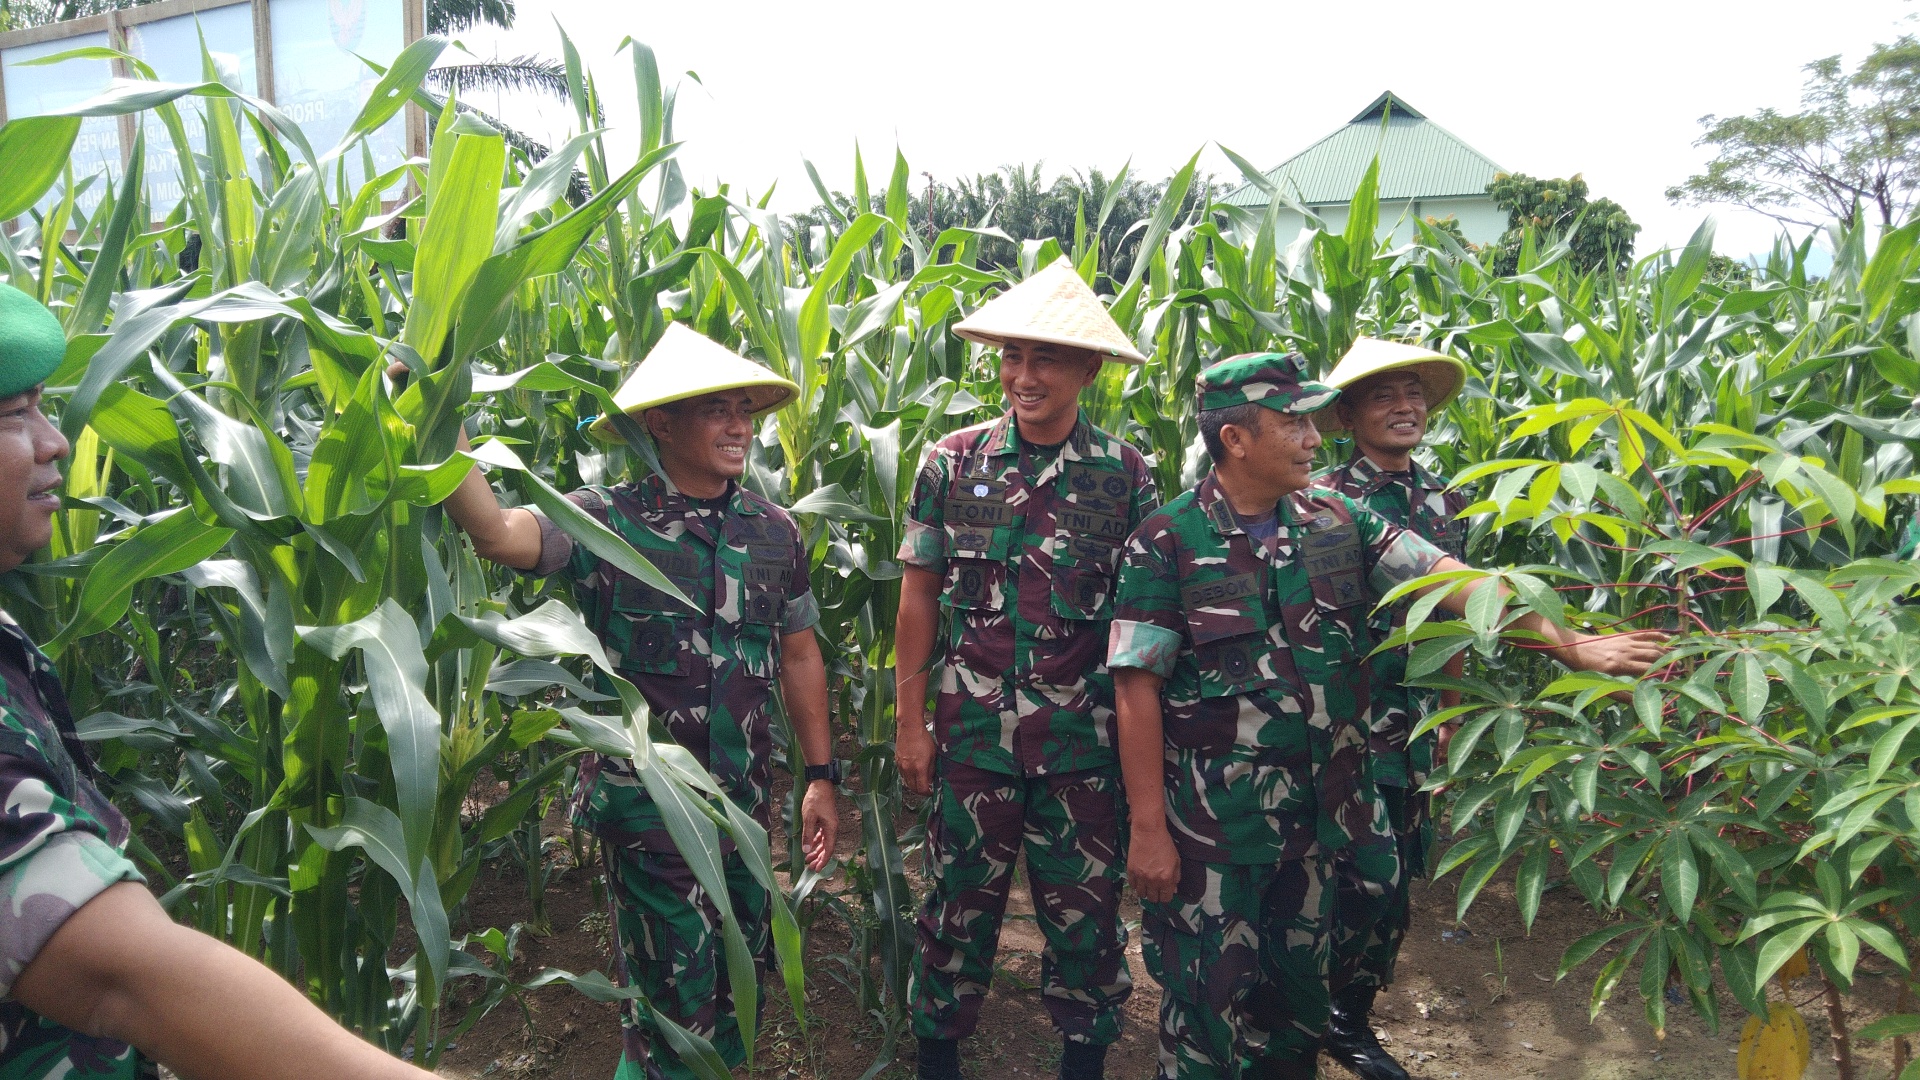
x,y
558,551
803,609
1149,628
923,542
1404,555
54,859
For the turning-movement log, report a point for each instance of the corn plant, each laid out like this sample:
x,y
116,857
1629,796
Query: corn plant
x,y
295,672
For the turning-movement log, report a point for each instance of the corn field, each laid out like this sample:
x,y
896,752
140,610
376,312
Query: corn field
x,y
294,670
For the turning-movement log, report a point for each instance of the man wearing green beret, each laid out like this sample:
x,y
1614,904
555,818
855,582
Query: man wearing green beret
x,y
1237,649
95,980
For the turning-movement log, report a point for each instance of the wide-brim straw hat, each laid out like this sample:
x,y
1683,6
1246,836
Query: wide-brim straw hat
x,y
1441,376
1052,306
687,364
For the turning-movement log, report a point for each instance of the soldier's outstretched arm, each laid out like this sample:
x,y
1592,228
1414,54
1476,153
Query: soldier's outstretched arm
x,y
803,687
1153,866
508,537
1631,653
914,630
119,968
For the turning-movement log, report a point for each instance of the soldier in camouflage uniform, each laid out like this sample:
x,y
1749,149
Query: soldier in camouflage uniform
x,y
95,980
1386,392
1237,650
707,673
1013,537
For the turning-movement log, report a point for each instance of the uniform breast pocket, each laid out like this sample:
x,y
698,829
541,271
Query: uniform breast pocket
x,y
655,636
975,584
1083,591
756,644
1335,567
655,644
1230,642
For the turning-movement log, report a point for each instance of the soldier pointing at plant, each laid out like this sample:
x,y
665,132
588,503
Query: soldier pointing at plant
x,y
1387,391
95,979
1237,650
1015,533
707,672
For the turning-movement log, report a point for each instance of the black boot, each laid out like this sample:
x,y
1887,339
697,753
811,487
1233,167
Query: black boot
x,y
939,1059
1350,1039
1083,1061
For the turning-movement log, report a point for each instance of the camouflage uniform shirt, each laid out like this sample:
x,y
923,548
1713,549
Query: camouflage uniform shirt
x,y
1262,649
61,844
1028,550
707,673
1418,500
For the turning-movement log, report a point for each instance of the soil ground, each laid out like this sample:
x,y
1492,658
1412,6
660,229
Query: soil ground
x,y
1473,1001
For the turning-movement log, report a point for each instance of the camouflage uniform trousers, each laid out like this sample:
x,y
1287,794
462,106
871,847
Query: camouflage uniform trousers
x,y
1369,928
1069,826
668,932
1243,954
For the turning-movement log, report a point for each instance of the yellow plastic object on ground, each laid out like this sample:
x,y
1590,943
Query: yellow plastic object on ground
x,y
1777,1049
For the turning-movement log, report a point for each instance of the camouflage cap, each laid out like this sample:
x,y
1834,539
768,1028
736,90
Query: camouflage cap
x,y
1270,379
32,345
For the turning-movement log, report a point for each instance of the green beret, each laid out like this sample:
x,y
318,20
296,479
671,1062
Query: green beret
x,y
32,345
1270,379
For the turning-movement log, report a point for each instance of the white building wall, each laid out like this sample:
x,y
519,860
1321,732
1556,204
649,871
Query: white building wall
x,y
1479,219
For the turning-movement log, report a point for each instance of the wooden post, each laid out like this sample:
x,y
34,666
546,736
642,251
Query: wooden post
x,y
263,49
415,14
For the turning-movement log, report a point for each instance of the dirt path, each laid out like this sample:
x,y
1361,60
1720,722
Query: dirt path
x,y
1472,1002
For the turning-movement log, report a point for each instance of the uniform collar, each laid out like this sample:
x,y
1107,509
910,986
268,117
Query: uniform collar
x,y
1224,520
658,494
1004,436
1366,474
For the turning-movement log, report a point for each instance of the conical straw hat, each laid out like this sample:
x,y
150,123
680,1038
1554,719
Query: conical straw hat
x,y
1441,376
686,364
1055,306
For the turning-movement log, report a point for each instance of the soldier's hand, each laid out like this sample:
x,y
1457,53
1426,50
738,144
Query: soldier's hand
x,y
1616,654
1153,865
913,753
819,823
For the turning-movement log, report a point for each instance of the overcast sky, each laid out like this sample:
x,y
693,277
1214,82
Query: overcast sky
x,y
1611,91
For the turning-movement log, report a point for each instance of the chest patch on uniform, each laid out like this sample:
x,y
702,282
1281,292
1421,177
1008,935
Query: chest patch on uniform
x,y
1333,556
1210,593
1084,479
1088,522
970,585
674,564
1090,547
965,539
770,565
652,642
977,500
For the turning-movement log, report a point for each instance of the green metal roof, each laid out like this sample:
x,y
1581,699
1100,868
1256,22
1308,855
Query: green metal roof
x,y
1419,159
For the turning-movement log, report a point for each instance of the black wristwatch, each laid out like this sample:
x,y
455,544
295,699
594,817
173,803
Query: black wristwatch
x,y
829,771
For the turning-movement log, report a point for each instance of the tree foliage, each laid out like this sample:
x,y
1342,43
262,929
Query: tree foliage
x,y
1599,232
1854,146
1018,203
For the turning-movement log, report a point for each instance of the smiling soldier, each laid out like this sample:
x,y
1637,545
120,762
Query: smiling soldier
x,y
1387,391
96,981
1016,532
1238,648
707,672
